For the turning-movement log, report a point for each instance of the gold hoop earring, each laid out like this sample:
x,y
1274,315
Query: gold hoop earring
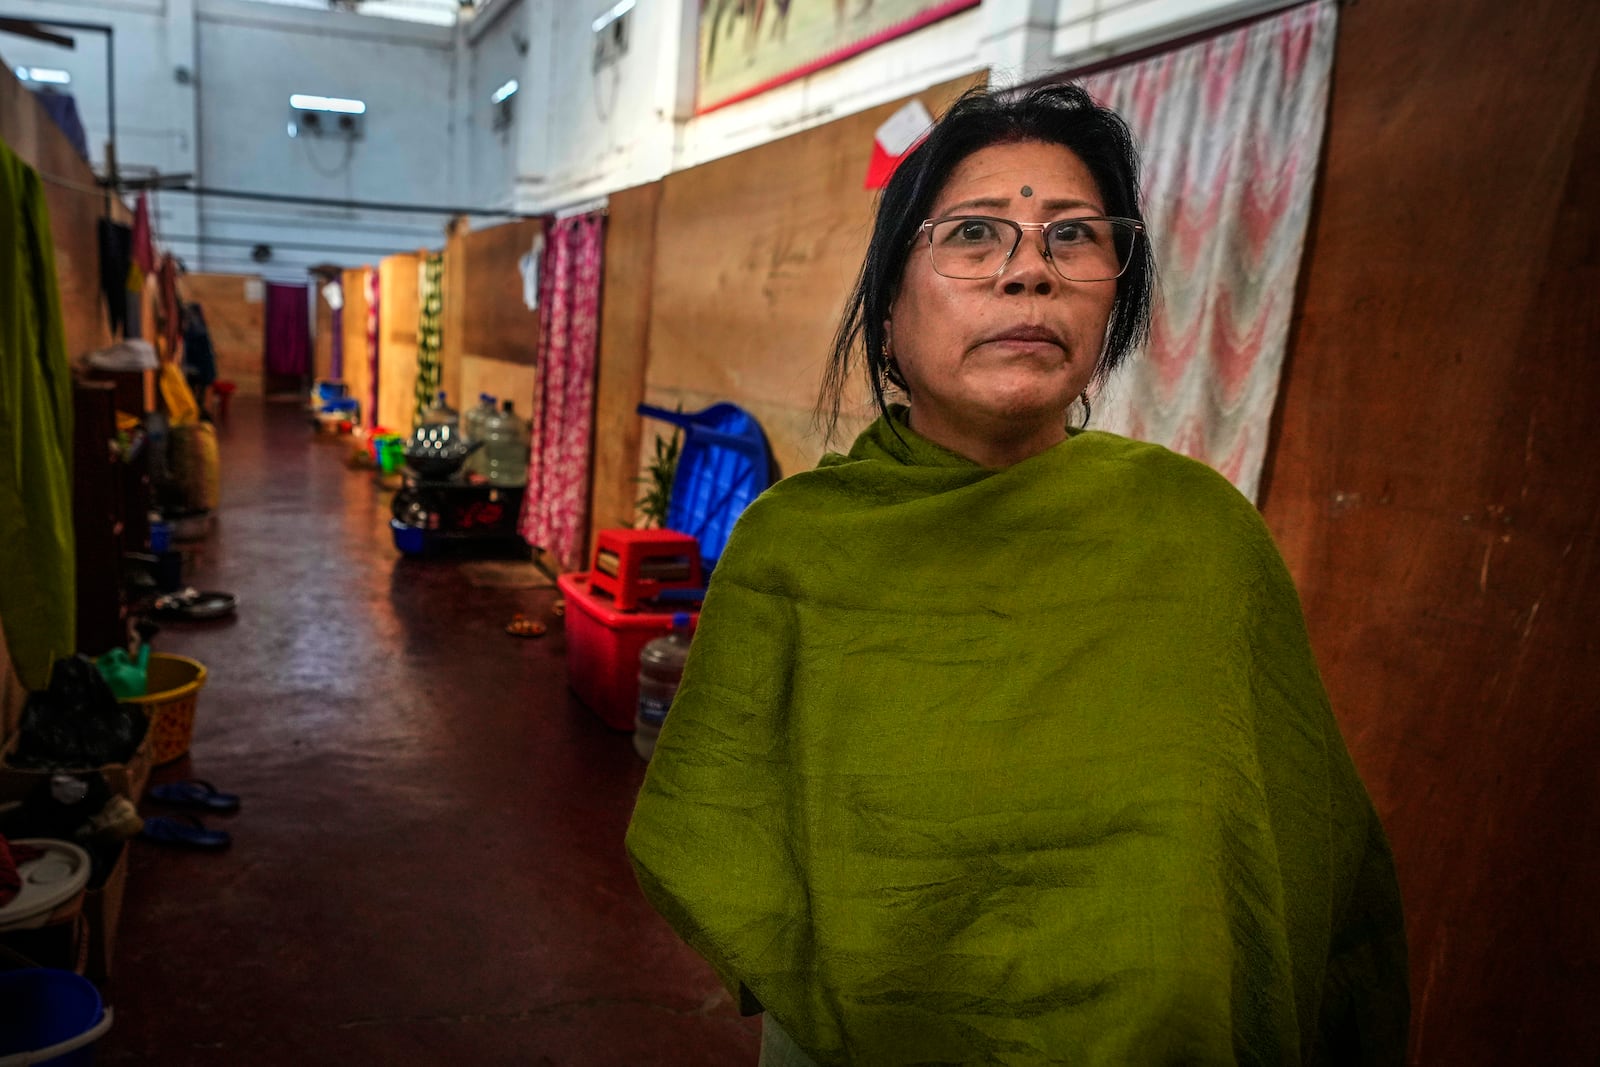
x,y
1083,399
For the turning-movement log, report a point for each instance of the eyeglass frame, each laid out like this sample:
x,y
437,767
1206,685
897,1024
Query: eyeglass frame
x,y
1022,228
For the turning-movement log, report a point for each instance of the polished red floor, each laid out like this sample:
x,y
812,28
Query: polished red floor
x,y
428,867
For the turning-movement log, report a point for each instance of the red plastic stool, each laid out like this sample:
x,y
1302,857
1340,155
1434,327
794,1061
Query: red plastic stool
x,y
224,391
635,565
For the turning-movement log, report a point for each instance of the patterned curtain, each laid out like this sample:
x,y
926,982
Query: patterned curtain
x,y
373,290
430,301
1230,130
555,509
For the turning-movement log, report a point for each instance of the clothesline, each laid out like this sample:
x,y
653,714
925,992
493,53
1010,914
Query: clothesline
x,y
93,190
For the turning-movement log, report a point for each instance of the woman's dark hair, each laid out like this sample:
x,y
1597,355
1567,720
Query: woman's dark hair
x,y
1055,114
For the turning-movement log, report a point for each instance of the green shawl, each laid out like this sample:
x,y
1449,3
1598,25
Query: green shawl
x,y
38,599
1021,766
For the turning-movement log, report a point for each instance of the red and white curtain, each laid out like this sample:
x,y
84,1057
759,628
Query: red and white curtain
x,y
1230,130
555,508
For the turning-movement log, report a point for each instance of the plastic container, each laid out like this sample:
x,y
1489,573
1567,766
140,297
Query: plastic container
x,y
660,670
505,448
173,690
52,883
441,413
50,1017
725,464
472,424
603,649
390,452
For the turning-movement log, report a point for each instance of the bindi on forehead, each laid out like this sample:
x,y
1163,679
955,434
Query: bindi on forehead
x,y
1027,190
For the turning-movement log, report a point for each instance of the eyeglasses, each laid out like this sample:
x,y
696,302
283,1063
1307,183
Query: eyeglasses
x,y
1090,249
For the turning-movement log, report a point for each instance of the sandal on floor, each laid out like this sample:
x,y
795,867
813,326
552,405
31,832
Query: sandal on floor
x,y
195,793
185,831
194,605
522,626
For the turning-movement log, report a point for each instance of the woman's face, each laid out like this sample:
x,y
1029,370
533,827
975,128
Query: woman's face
x,y
992,365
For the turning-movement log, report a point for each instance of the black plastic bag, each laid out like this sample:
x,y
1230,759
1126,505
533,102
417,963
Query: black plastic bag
x,y
77,722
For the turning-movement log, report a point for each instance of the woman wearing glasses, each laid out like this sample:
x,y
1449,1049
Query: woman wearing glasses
x,y
1001,741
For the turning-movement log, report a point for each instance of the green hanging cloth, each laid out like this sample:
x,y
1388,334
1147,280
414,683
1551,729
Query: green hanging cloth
x,y
38,590
431,301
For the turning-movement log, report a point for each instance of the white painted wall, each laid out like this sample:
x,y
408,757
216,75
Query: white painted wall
x,y
578,134
631,123
251,58
226,124
155,111
497,47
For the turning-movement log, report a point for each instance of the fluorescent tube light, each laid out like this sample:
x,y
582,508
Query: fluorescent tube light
x,y
506,90
622,8
44,75
327,103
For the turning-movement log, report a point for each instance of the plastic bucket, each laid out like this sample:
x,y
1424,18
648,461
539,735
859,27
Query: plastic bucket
x,y
49,1016
172,691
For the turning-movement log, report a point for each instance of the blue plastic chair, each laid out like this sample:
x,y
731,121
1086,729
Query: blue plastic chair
x,y
725,463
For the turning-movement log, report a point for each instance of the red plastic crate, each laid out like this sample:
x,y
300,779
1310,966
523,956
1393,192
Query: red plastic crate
x,y
603,646
633,551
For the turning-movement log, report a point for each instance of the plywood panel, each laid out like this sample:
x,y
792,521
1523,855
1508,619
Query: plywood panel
x,y
397,346
1433,487
755,255
501,380
497,324
75,205
458,300
235,310
356,372
322,336
624,353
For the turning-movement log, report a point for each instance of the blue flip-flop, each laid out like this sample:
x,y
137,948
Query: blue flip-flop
x,y
185,831
195,793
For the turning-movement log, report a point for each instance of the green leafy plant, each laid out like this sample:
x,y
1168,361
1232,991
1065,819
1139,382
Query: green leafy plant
x,y
657,480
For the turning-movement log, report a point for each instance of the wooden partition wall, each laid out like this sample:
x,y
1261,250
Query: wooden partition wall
x,y
357,375
76,205
321,332
754,256
629,264
235,309
490,335
397,341
1435,489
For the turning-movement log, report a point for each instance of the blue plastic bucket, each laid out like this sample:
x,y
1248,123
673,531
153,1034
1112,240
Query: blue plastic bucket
x,y
49,1016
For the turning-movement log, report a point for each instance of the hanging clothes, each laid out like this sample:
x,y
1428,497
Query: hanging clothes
x,y
555,508
144,248
63,111
116,260
373,290
430,299
169,323
38,593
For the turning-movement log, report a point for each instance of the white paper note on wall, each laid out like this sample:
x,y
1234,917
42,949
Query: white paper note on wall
x,y
255,290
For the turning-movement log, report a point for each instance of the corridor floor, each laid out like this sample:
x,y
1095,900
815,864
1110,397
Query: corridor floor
x,y
428,866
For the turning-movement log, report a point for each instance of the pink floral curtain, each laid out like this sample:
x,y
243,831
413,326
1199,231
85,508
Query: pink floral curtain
x,y
1230,130
555,509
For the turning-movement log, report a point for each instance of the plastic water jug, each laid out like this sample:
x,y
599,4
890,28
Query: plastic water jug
x,y
505,447
441,413
660,670
472,424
